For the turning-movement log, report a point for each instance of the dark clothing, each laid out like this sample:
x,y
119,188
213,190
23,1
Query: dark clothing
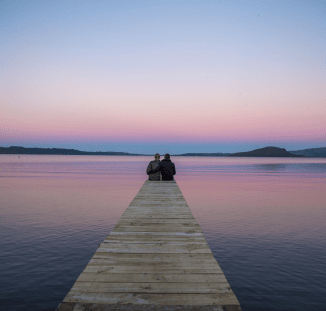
x,y
167,169
153,165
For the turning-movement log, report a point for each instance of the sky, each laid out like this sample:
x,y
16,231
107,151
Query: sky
x,y
162,76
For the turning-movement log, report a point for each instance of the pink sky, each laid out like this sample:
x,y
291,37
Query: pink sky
x,y
227,78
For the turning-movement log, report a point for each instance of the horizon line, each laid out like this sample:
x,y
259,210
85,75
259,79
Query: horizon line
x,y
142,154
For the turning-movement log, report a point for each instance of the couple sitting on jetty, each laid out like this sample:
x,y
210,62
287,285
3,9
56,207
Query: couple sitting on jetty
x,y
156,168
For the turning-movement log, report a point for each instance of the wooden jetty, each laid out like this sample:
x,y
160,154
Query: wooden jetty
x,y
155,258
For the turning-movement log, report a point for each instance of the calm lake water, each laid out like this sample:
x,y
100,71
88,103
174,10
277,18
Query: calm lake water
x,y
264,220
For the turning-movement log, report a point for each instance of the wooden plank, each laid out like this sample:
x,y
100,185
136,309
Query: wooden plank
x,y
150,226
207,264
154,215
159,203
154,249
82,306
156,257
154,211
158,228
163,245
157,216
151,236
148,269
151,277
227,298
153,265
145,236
155,195
157,221
153,288
177,234
159,208
161,240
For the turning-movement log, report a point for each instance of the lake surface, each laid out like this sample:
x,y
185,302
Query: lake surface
x,y
264,220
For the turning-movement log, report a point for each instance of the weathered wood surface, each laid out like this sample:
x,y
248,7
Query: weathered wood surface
x,y
155,258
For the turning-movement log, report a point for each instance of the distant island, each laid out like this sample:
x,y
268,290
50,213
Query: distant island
x,y
262,152
266,152
312,152
58,151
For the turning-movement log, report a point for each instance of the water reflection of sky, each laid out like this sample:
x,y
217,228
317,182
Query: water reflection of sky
x,y
102,165
264,220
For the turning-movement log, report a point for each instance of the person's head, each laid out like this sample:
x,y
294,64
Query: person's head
x,y
167,156
157,157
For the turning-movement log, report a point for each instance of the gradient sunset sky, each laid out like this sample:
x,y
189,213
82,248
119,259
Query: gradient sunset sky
x,y
163,76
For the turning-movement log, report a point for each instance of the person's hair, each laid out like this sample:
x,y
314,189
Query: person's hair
x,y
166,156
157,155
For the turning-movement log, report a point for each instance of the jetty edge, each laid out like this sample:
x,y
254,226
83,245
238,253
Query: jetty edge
x,y
155,258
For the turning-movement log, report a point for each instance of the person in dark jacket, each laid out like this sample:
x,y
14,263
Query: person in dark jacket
x,y
152,165
166,167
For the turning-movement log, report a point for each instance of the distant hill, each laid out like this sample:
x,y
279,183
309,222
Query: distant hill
x,y
23,150
203,154
263,152
266,152
312,152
